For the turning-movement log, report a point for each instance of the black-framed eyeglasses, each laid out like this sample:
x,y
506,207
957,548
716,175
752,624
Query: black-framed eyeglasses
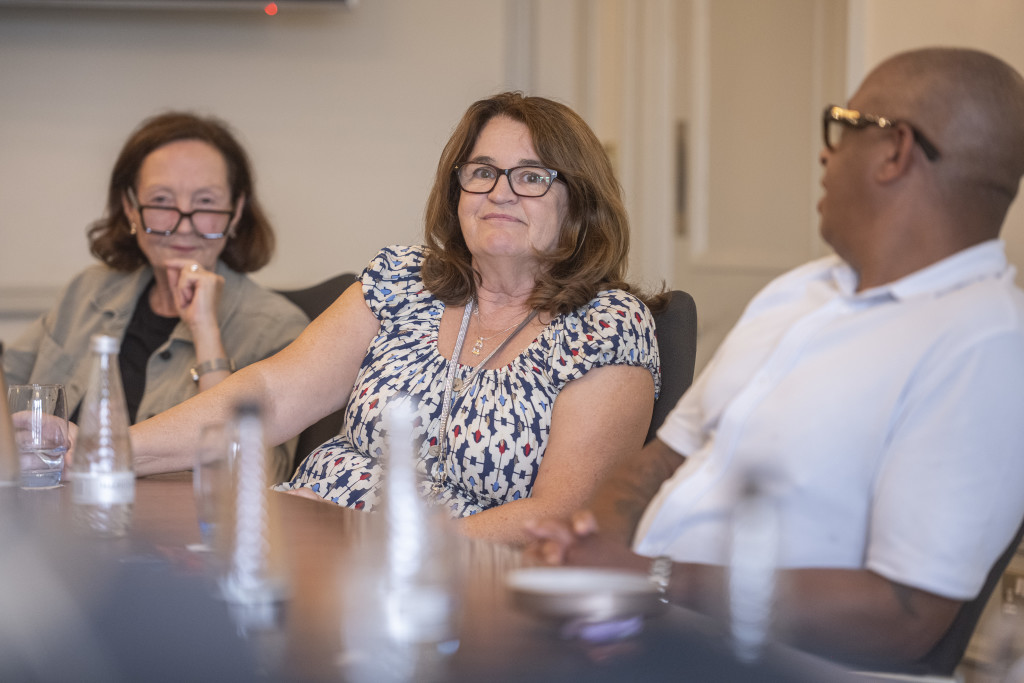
x,y
525,181
211,224
854,119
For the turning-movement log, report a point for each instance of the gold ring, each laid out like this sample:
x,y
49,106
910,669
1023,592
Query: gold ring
x,y
194,267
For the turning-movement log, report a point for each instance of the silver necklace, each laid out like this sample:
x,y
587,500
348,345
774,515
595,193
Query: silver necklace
x,y
453,385
478,345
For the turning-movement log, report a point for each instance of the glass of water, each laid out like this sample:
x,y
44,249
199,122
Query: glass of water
x,y
39,415
212,479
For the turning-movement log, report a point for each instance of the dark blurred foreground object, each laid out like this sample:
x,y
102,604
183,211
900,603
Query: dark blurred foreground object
x,y
676,647
947,653
73,609
140,608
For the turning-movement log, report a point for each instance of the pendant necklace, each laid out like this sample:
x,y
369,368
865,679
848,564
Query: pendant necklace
x,y
453,388
478,345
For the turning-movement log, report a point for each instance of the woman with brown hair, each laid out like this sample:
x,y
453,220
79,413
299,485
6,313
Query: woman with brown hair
x,y
530,366
181,227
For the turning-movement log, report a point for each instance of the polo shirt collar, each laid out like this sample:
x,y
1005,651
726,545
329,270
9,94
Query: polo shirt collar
x,y
982,261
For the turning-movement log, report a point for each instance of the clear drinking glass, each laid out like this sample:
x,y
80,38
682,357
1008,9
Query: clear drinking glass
x,y
40,419
212,478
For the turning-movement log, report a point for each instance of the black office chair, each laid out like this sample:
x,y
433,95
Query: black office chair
x,y
947,653
313,301
676,330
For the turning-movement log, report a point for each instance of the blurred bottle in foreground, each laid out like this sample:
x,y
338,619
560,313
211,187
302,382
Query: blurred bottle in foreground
x,y
752,570
402,599
102,472
9,466
252,567
252,573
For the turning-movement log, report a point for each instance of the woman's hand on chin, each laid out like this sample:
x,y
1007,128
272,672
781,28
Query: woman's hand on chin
x,y
196,292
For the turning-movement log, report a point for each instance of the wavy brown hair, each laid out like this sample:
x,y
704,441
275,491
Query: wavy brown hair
x,y
110,238
593,242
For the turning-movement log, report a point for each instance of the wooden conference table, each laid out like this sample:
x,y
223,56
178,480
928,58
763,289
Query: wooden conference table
x,y
144,609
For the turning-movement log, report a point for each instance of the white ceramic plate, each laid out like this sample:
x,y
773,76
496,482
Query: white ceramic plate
x,y
584,593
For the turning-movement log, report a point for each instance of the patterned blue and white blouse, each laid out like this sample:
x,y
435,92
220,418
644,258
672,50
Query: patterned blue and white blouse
x,y
499,425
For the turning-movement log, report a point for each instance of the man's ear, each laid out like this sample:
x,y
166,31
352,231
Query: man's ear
x,y
900,149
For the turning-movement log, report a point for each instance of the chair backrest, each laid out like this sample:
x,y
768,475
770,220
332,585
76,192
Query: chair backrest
x,y
314,301
676,329
946,654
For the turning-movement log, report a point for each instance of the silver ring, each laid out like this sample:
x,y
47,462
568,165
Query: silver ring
x,y
194,267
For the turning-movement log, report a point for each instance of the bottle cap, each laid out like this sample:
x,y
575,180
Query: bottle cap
x,y
247,408
102,343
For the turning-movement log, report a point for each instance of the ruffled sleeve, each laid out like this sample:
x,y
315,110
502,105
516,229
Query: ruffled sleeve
x,y
392,285
615,328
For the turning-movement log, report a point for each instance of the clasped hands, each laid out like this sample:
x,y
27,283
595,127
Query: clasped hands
x,y
579,541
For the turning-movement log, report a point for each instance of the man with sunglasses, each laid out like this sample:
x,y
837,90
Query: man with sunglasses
x,y
857,437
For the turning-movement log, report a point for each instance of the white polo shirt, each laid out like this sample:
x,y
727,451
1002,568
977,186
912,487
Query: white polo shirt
x,y
887,425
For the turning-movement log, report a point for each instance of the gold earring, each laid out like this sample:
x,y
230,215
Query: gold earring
x,y
133,227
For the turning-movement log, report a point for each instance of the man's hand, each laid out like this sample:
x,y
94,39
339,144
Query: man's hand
x,y
552,538
578,541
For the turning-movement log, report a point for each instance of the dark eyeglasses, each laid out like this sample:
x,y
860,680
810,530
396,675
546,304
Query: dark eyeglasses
x,y
525,181
854,119
211,224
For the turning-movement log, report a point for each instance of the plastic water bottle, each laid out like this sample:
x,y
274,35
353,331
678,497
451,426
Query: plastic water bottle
x,y
403,587
102,473
752,570
253,574
252,581
420,600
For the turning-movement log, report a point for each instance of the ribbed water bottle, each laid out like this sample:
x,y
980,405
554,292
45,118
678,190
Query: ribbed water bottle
x,y
102,474
402,603
752,570
252,574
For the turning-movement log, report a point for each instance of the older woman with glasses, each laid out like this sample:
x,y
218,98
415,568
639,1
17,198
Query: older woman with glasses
x,y
530,366
181,228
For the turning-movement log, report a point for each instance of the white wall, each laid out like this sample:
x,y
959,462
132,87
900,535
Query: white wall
x,y
752,106
331,102
876,29
891,26
343,111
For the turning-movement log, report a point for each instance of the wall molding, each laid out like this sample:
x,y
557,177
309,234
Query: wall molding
x,y
708,251
26,302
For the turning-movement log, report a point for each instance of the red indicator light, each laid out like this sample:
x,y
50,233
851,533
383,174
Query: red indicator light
x,y
270,9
